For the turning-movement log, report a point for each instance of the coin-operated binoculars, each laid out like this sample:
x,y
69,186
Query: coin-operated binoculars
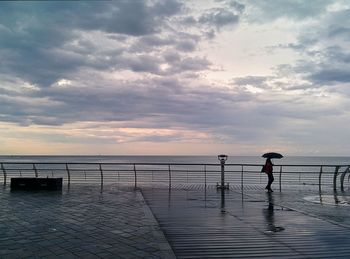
x,y
223,186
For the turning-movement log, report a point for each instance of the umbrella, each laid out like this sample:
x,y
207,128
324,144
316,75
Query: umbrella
x,y
272,155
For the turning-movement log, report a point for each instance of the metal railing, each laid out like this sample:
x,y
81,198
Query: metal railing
x,y
168,174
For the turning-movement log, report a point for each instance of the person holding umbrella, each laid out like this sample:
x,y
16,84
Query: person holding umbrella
x,y
268,168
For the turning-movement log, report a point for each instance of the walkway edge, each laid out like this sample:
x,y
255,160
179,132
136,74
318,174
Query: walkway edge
x,y
164,246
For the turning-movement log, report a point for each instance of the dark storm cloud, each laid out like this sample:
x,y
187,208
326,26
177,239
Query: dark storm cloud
x,y
324,59
327,76
158,102
36,37
175,64
144,63
167,8
333,63
43,42
219,17
172,56
122,17
250,80
239,7
294,9
26,110
164,101
340,31
297,109
150,43
184,42
190,64
186,45
214,19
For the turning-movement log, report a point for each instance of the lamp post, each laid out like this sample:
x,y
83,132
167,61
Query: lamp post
x,y
222,158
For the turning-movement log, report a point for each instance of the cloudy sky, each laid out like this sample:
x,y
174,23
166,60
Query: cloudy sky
x,y
175,77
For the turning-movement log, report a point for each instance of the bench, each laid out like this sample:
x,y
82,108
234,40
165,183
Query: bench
x,y
36,183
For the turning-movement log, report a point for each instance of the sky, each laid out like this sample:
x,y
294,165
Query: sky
x,y
175,77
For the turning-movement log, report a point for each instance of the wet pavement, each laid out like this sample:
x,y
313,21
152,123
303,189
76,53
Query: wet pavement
x,y
79,223
189,221
232,224
327,205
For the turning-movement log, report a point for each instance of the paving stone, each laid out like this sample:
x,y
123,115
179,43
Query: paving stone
x,y
78,223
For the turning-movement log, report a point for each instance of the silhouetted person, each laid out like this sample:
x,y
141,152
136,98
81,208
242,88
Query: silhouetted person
x,y
268,169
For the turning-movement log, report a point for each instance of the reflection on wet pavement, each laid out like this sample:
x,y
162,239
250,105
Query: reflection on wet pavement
x,y
203,224
326,199
269,215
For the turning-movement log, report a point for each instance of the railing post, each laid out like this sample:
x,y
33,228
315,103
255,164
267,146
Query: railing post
x,y
68,174
342,178
35,171
4,172
242,171
205,176
169,176
280,179
222,174
319,178
100,167
335,178
135,176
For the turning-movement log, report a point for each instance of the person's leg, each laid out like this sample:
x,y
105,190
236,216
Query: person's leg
x,y
271,179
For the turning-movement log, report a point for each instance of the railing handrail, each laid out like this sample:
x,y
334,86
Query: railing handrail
x,y
172,164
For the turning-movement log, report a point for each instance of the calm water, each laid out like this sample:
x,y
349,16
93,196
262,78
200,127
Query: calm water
x,y
180,174
179,159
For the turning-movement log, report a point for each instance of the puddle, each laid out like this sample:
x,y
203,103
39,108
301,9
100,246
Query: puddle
x,y
335,200
274,229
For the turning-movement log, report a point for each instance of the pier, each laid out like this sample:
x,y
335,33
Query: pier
x,y
176,211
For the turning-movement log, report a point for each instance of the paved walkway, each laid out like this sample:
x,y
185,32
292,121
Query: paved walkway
x,y
198,223
211,224
79,223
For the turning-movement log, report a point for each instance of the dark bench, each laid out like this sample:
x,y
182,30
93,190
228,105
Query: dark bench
x,y
35,183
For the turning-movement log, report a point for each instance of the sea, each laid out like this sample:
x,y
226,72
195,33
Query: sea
x,y
303,170
288,160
